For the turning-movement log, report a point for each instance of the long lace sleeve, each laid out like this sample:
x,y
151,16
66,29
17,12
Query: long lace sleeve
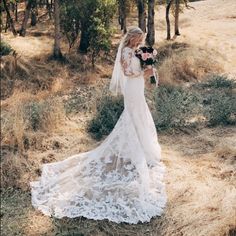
x,y
126,59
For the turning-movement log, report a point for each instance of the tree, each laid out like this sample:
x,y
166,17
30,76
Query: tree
x,y
100,39
141,5
56,49
70,21
122,7
34,13
86,11
90,20
177,10
169,3
150,40
22,31
9,18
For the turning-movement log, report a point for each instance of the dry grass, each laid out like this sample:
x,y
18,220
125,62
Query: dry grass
x,y
15,172
201,195
200,176
201,187
18,135
22,112
187,65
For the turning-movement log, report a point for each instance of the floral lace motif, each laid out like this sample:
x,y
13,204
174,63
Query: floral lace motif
x,y
128,60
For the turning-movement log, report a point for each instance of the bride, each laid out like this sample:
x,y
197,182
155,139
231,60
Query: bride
x,y
121,179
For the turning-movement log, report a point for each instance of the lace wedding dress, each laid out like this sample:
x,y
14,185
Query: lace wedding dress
x,y
121,179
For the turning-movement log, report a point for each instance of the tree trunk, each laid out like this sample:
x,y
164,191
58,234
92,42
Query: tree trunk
x,y
177,17
84,39
168,19
33,13
141,5
49,8
150,40
22,31
6,23
122,15
16,12
33,18
56,49
9,19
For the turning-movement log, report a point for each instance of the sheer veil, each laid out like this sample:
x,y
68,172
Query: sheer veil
x,y
118,78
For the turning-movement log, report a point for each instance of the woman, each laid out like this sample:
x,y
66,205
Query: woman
x,y
121,179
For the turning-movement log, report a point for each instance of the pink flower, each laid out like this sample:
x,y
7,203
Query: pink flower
x,y
145,56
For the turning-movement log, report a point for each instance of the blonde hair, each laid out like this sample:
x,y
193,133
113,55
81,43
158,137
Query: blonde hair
x,y
132,32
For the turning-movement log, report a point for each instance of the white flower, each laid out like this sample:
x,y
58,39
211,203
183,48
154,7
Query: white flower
x,y
154,52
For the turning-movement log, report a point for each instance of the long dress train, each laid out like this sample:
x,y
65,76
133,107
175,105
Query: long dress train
x,y
120,180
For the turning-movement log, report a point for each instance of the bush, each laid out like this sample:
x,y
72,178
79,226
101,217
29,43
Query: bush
x,y
5,48
85,98
27,116
42,115
89,19
174,107
108,112
218,82
220,108
218,99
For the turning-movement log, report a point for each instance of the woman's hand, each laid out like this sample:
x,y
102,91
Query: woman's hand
x,y
148,72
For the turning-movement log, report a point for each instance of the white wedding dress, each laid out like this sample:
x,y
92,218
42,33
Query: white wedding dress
x,y
121,179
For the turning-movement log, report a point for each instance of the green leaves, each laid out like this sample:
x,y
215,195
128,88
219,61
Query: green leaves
x,y
91,20
175,106
5,48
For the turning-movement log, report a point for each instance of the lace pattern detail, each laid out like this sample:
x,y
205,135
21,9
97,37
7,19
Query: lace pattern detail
x,y
127,60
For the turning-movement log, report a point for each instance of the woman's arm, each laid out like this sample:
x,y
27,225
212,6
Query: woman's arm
x,y
126,57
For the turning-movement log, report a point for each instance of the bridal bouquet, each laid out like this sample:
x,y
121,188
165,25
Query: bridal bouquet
x,y
147,57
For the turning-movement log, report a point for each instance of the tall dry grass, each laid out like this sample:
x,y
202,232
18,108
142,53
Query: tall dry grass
x,y
187,64
26,119
20,120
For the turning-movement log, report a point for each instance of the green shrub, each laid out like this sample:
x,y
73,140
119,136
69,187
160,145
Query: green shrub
x,y
85,98
218,99
218,82
220,108
174,107
43,115
34,113
5,48
108,112
76,103
91,20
